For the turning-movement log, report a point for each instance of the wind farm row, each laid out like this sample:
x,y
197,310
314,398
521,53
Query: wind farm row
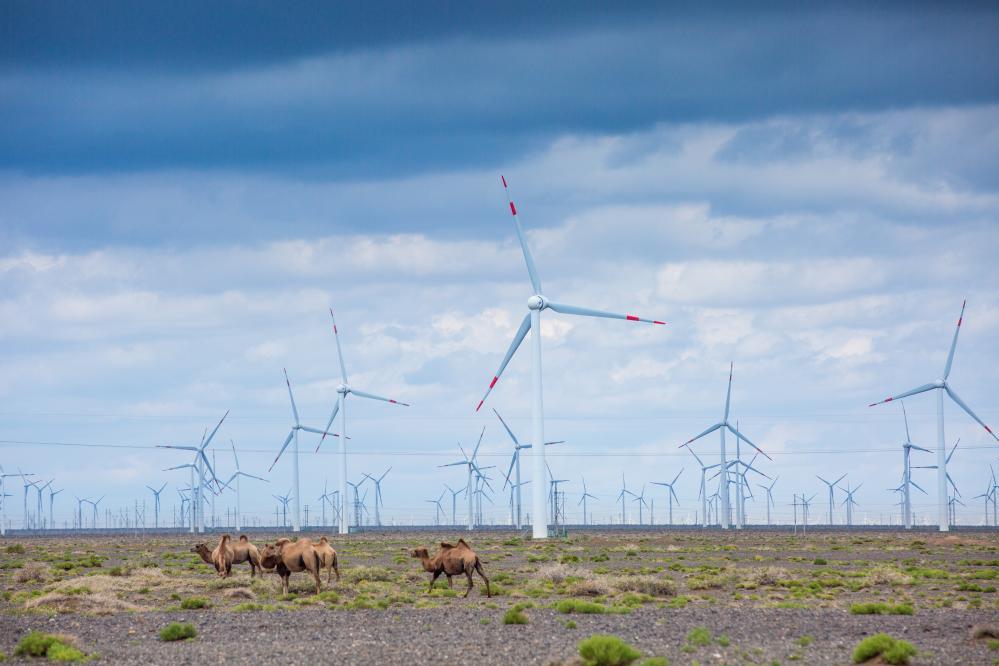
x,y
495,495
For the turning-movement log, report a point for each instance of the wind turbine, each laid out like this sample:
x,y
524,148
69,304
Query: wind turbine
x,y
907,481
94,504
941,387
806,505
378,494
850,503
324,499
156,503
52,494
40,508
671,495
201,462
553,490
515,463
3,502
296,523
620,497
770,497
641,501
27,485
438,509
702,492
582,500
470,464
237,476
532,321
831,498
344,390
454,503
284,499
722,426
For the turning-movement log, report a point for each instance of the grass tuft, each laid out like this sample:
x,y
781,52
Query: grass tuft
x,y
880,608
178,631
193,603
515,616
51,646
891,650
607,650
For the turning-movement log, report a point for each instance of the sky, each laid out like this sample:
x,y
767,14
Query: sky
x,y
807,192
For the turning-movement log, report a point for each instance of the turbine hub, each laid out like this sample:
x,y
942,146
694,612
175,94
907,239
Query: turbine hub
x,y
537,302
343,389
940,383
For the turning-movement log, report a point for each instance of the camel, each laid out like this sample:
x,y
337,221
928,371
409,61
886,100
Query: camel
x,y
222,557
242,551
452,560
288,556
327,559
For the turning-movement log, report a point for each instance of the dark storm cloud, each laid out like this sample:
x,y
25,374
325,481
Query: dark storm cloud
x,y
395,91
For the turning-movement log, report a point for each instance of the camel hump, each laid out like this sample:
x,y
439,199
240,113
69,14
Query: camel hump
x,y
446,545
461,542
242,538
323,540
282,541
225,538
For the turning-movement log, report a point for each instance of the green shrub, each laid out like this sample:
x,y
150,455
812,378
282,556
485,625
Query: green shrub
x,y
879,608
35,644
570,624
804,641
606,650
15,549
580,606
248,606
699,636
192,603
515,616
891,650
819,561
654,661
178,631
55,648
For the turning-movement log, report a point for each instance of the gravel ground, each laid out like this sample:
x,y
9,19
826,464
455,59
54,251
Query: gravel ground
x,y
454,633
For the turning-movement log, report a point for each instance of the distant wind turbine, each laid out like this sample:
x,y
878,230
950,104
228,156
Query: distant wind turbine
x,y
671,493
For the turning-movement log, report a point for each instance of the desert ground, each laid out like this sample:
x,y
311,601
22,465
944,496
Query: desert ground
x,y
690,597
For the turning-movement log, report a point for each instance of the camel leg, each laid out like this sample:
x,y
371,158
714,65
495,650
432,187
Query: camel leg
x,y
468,572
336,568
432,581
478,567
319,584
284,582
450,583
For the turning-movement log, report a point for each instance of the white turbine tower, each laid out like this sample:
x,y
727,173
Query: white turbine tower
x,y
296,524
344,390
722,426
770,496
582,500
702,492
941,386
532,321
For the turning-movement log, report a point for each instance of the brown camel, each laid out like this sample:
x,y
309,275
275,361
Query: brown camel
x,y
222,557
242,551
452,560
288,556
327,559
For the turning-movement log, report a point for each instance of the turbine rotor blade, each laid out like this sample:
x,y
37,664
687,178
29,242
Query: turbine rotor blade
x,y
528,257
706,432
372,396
747,441
953,344
728,394
588,312
287,441
525,326
507,428
329,424
915,391
962,405
294,409
339,351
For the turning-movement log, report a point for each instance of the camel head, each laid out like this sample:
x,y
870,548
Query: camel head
x,y
270,554
204,551
421,553
242,538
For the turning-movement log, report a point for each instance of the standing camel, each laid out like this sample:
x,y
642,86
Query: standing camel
x,y
452,560
290,556
327,559
222,557
242,551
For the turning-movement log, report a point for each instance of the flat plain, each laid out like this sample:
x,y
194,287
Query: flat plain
x,y
751,597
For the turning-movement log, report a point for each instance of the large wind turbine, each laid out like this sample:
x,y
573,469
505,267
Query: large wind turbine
x,y
378,495
941,386
296,524
515,465
722,426
532,321
342,391
702,493
237,477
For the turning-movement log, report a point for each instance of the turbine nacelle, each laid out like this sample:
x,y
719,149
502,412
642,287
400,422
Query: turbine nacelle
x,y
537,302
343,389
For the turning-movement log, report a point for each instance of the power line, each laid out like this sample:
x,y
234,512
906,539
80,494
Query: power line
x,y
502,454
